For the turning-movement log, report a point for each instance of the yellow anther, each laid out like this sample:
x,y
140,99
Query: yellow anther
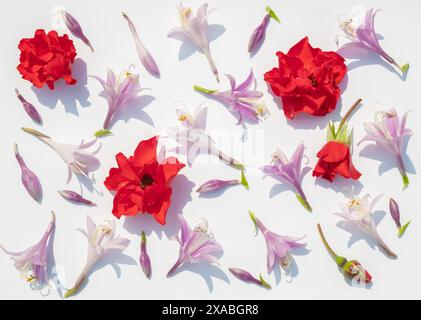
x,y
185,12
354,203
182,117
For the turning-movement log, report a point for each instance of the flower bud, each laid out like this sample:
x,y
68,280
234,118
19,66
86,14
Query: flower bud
x,y
75,197
247,277
355,271
29,179
29,108
145,261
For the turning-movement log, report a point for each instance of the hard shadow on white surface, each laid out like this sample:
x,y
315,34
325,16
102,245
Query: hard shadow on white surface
x,y
205,270
182,189
187,48
357,235
69,95
386,158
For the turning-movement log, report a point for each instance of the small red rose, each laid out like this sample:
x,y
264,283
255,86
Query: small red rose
x,y
46,58
307,80
335,156
142,183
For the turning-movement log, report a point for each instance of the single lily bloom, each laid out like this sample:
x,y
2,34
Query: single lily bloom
x,y
72,24
241,100
78,159
335,156
193,137
29,108
396,216
194,27
29,179
351,269
33,262
258,35
118,91
144,55
75,197
248,277
216,184
389,132
279,247
290,172
362,35
145,261
359,212
196,244
101,240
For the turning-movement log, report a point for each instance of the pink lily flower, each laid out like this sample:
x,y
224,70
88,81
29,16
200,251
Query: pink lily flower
x,y
101,240
194,28
242,100
78,159
117,91
388,131
196,244
362,35
279,247
33,262
290,172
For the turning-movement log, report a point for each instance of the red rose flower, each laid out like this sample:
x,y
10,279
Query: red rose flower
x,y
45,58
142,183
307,80
335,158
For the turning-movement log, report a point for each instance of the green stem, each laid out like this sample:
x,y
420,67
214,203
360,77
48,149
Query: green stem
x,y
340,261
204,90
348,114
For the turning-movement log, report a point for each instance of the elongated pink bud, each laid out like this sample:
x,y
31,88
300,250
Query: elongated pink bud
x,y
74,27
258,35
145,261
396,216
143,53
29,179
29,108
216,184
75,197
248,277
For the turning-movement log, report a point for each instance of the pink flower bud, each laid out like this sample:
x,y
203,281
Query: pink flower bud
x,y
29,180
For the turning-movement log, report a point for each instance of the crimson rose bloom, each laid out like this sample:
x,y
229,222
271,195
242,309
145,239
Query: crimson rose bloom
x,y
45,58
142,183
335,158
307,80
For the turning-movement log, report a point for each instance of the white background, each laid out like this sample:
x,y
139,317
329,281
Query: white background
x,y
73,113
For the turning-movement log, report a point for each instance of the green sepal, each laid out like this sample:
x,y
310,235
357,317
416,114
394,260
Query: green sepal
x,y
405,180
405,68
243,180
402,229
253,218
341,261
102,133
304,203
273,15
341,136
204,90
264,283
70,292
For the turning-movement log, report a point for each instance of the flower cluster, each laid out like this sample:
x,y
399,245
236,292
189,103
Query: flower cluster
x,y
308,81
